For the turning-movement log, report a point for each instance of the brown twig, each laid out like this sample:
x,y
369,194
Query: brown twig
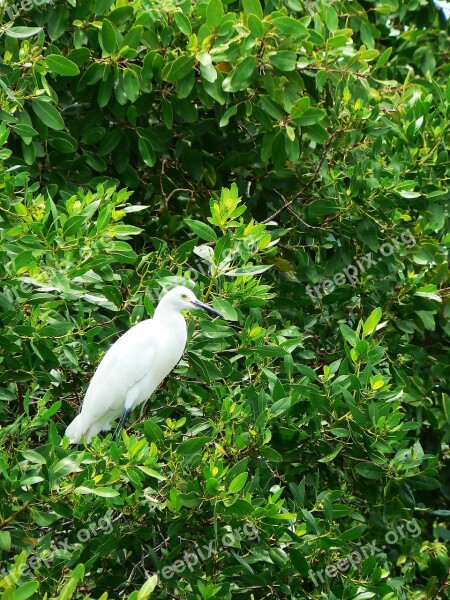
x,y
14,515
294,214
310,180
332,70
161,175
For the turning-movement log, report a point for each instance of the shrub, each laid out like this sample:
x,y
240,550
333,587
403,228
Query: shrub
x,y
289,161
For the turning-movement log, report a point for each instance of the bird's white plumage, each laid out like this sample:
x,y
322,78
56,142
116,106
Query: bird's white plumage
x,y
135,365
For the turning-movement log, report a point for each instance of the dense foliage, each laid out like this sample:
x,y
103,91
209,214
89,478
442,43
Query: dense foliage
x,y
290,159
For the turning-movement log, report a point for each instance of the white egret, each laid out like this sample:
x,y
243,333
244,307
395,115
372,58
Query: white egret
x,y
135,365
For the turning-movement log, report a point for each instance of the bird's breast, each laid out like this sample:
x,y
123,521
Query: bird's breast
x,y
174,338
170,347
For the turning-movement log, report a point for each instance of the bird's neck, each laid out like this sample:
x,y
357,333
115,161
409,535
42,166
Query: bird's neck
x,y
166,315
173,324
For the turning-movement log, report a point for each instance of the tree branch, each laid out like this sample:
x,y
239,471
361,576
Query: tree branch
x,y
4,523
310,180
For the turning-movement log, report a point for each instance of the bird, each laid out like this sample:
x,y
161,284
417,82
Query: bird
x,y
135,365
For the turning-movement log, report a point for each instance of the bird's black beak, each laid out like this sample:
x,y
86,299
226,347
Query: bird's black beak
x,y
208,309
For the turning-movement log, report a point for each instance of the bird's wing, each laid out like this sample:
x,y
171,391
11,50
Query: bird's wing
x,y
122,367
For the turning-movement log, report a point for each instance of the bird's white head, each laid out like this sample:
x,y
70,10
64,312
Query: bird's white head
x,y
182,298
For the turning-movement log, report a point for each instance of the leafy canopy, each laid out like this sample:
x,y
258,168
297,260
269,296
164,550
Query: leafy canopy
x,y
289,159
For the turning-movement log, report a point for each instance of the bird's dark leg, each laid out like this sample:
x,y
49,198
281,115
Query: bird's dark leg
x,y
123,420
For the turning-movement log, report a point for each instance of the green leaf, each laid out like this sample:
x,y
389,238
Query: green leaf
x,y
179,68
122,252
29,153
366,34
409,194
271,454
290,26
281,406
26,590
131,84
152,473
299,561
367,232
337,41
238,483
101,6
236,469
354,533
202,230
310,116
383,58
274,351
112,294
146,151
423,482
209,73
284,60
53,409
167,113
183,23
241,75
253,7
110,142
348,334
372,321
362,347
148,587
47,113
256,26
214,14
5,541
329,457
315,37
24,130
31,480
104,492
70,587
61,65
446,406
368,55
369,470
34,457
248,270
226,308
22,32
331,18
127,230
108,37
63,142
230,112
317,133
192,446
73,225
92,75
427,318
58,21
153,431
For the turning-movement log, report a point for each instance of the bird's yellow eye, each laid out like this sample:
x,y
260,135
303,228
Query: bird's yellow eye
x,y
184,297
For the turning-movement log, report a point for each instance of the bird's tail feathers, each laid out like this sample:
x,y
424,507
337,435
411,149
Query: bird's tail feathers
x,y
74,430
79,427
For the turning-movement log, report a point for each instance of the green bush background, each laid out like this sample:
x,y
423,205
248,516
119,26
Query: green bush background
x,y
258,150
